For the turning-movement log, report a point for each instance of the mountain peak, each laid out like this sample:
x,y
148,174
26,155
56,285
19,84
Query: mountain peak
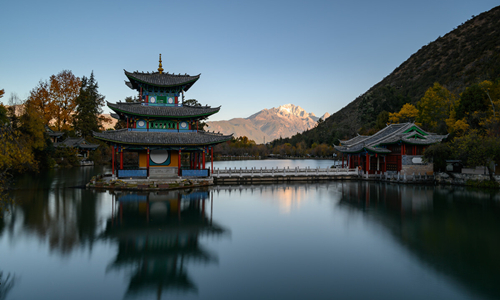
x,y
269,124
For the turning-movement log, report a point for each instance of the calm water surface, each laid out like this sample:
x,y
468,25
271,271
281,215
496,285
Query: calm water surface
x,y
343,240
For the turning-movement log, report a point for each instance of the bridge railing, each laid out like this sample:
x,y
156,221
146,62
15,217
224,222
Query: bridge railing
x,y
256,172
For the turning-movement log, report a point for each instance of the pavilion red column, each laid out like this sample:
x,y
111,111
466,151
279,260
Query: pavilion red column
x,y
203,159
400,162
147,162
113,160
179,166
211,159
367,163
121,159
127,122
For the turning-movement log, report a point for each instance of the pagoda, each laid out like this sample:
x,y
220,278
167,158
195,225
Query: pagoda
x,y
160,127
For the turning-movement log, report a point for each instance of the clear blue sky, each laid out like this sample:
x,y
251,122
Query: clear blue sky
x,y
252,55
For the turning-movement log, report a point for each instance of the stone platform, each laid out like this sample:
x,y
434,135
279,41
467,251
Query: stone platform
x,y
151,184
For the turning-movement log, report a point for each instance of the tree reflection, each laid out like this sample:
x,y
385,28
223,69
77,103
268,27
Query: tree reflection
x,y
158,235
452,229
6,284
64,218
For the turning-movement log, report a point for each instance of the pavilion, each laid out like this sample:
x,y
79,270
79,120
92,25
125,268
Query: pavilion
x,y
396,148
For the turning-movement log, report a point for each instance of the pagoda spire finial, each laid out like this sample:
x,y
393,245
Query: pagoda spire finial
x,y
160,69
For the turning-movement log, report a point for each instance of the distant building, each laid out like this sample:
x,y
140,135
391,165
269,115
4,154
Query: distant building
x,y
55,136
80,144
396,148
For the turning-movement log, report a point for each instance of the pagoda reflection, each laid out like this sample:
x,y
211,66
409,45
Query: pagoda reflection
x,y
158,235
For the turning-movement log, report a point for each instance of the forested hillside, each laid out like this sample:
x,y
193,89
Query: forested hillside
x,y
465,56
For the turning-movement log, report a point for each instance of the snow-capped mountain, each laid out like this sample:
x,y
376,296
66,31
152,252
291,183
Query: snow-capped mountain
x,y
269,124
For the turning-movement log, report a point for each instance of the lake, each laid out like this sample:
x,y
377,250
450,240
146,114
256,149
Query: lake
x,y
338,239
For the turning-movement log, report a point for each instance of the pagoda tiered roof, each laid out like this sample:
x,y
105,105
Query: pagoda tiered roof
x,y
126,137
184,111
407,133
164,80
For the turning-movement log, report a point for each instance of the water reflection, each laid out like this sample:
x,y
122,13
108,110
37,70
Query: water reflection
x,y
6,284
451,229
66,219
289,196
158,235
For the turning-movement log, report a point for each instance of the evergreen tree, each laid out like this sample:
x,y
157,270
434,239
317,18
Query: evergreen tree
x,y
89,107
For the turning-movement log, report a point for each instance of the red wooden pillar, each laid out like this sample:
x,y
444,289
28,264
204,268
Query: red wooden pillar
x,y
400,162
147,162
127,122
147,124
179,167
121,159
211,159
367,163
203,159
112,160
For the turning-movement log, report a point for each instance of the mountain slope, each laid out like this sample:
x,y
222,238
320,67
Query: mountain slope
x,y
268,124
466,55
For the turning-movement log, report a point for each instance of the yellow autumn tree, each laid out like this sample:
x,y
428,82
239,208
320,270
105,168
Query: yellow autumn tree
x,y
434,108
55,99
40,97
491,120
408,113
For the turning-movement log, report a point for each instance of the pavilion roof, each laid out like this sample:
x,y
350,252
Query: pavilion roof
x,y
77,143
408,133
53,133
165,80
183,112
154,138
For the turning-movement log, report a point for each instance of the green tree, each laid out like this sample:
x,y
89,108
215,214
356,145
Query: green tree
x,y
382,120
477,150
89,105
194,102
438,154
472,102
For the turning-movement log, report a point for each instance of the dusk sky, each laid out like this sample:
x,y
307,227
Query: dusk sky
x,y
252,55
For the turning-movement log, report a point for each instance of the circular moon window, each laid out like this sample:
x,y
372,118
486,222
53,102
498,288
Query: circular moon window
x,y
159,156
170,100
152,99
141,123
184,125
